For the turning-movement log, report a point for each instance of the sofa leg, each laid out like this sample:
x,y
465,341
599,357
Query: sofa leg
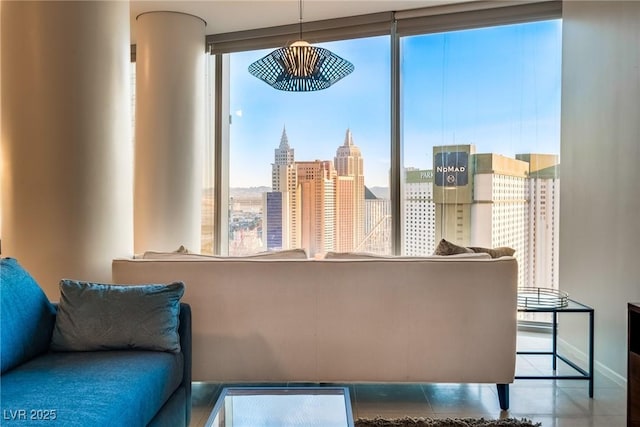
x,y
503,396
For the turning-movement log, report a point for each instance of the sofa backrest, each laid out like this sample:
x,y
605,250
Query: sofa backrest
x,y
27,317
443,319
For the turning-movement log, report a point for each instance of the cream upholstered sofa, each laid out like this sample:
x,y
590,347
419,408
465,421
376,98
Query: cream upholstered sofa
x,y
434,319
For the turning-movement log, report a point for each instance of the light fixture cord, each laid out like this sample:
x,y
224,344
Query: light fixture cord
x,y
300,18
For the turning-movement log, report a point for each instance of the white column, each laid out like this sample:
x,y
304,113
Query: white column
x,y
170,131
66,132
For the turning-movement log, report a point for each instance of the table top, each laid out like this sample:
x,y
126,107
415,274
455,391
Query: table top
x,y
282,407
572,306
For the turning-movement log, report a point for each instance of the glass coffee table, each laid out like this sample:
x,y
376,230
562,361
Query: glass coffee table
x,y
282,407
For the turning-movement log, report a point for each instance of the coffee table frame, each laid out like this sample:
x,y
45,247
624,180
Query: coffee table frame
x,y
278,390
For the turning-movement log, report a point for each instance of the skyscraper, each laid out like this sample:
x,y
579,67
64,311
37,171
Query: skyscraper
x,y
350,192
275,220
543,213
419,212
284,180
377,225
317,195
500,215
453,192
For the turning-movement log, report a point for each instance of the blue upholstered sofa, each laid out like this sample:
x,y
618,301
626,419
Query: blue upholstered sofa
x,y
106,387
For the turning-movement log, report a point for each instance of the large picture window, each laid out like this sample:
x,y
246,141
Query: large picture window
x,y
449,128
310,169
481,140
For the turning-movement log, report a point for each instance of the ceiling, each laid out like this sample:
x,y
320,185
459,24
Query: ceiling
x,y
223,16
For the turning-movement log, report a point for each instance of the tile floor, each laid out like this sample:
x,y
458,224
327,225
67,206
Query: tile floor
x,y
554,403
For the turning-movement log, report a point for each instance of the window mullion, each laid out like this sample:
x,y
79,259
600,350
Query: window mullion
x,y
395,180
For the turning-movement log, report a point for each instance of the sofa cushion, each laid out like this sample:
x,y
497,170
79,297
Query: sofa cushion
x,y
283,254
105,388
495,252
182,250
354,255
27,317
93,316
367,255
186,255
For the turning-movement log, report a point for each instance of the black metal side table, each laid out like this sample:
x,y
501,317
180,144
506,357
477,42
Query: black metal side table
x,y
571,307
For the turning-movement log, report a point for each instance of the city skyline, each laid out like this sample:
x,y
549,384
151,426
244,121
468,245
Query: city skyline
x,y
317,204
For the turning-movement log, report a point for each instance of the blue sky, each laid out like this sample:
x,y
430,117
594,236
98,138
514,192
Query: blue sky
x,y
497,88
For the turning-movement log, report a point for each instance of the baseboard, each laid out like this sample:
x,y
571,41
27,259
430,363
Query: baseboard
x,y
575,354
533,326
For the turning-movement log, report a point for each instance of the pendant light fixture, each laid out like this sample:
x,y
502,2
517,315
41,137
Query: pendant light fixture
x,y
301,67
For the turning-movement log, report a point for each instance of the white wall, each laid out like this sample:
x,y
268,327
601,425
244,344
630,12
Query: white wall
x,y
600,194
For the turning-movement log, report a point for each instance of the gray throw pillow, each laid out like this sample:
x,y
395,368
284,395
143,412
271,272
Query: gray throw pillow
x,y
445,247
93,316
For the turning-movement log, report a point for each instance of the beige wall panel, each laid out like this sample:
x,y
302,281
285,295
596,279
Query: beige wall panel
x,y
600,195
66,138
